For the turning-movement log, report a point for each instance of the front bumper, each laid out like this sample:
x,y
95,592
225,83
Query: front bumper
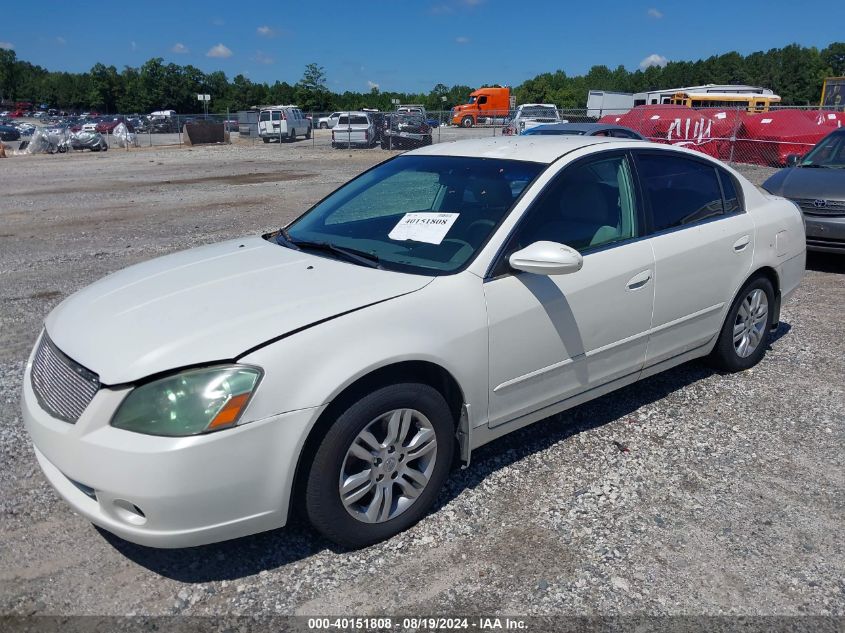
x,y
825,234
165,491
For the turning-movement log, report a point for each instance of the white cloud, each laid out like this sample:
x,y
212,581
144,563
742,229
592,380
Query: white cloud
x,y
263,58
219,51
266,31
655,13
179,48
462,39
7,45
372,84
654,60
134,45
61,41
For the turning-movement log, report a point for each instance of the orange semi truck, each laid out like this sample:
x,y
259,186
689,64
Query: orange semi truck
x,y
483,105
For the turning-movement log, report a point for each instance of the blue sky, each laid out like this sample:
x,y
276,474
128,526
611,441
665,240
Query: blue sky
x,y
407,45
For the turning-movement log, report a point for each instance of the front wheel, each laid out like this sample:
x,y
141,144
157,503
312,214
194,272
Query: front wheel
x,y
467,121
742,341
381,465
308,133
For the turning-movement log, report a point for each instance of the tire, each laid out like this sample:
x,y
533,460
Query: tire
x,y
292,135
308,133
424,415
385,144
324,126
428,140
265,139
467,121
105,147
750,317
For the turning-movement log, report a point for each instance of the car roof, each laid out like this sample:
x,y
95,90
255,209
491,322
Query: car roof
x,y
545,149
538,149
580,127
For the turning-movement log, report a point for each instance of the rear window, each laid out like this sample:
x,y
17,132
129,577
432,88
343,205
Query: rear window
x,y
264,116
353,120
277,116
540,112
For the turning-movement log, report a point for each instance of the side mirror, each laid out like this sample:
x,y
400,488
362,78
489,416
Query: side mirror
x,y
547,258
792,160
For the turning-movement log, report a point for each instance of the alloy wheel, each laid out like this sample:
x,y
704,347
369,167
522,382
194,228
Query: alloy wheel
x,y
750,325
388,465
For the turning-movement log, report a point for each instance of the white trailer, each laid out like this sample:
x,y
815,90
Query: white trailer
x,y
602,102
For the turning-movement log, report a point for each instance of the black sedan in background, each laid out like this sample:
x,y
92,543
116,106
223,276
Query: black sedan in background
x,y
816,183
583,129
9,133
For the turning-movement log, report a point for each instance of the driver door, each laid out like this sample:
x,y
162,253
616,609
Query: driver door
x,y
552,337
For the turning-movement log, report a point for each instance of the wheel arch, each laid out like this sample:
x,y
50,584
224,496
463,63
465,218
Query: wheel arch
x,y
421,371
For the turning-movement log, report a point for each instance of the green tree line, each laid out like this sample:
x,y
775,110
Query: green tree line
x,y
794,72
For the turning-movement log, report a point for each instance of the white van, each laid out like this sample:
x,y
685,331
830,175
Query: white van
x,y
283,123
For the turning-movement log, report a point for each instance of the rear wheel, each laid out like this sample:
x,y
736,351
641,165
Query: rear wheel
x,y
742,341
381,465
265,139
324,126
308,133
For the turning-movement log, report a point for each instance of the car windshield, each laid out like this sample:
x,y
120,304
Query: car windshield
x,y
830,152
419,214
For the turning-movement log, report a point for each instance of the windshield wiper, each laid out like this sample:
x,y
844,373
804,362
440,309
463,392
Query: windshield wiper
x,y
351,254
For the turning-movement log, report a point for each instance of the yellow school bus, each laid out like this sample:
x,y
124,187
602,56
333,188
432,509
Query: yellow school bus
x,y
833,93
753,102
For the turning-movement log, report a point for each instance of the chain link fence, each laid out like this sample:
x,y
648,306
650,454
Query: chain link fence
x,y
774,138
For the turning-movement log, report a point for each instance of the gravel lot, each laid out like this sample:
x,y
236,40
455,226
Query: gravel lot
x,y
689,493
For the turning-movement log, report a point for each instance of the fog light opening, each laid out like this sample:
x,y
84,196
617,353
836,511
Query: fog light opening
x,y
129,512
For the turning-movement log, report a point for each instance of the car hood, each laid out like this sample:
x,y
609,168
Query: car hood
x,y
208,304
808,183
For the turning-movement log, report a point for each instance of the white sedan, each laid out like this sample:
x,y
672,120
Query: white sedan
x,y
438,301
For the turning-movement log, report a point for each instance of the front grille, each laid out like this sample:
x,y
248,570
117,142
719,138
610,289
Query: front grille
x,y
63,387
821,207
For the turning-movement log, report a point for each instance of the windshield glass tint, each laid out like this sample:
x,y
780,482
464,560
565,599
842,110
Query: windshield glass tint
x,y
830,152
459,202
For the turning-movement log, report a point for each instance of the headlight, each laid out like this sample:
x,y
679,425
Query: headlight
x,y
192,402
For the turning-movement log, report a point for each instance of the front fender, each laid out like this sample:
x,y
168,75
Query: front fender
x,y
445,323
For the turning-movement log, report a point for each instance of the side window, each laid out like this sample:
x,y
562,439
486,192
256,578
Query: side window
x,y
733,202
482,99
679,190
589,204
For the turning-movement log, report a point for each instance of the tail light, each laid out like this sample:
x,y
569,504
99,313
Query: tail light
x,y
332,134
284,117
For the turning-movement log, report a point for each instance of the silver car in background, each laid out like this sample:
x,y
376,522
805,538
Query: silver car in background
x,y
816,183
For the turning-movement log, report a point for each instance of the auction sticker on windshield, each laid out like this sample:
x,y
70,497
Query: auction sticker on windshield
x,y
423,227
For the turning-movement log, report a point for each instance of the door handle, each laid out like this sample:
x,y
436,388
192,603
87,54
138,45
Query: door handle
x,y
741,243
639,280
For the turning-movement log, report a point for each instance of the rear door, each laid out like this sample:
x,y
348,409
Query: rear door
x,y
265,126
703,245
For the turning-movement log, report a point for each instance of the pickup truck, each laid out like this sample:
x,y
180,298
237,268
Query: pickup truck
x,y
325,122
354,128
530,115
